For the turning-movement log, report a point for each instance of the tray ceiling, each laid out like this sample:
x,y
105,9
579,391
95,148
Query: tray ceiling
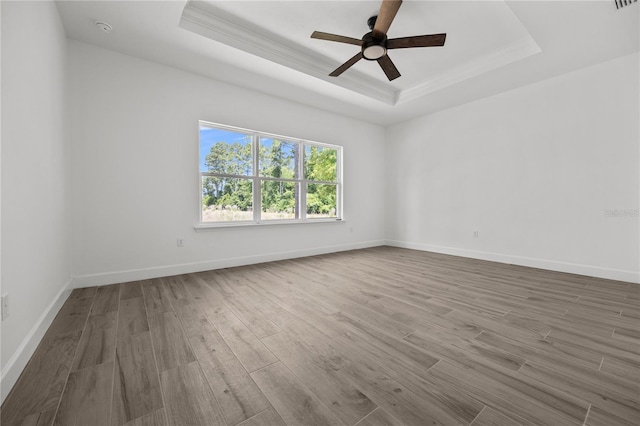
x,y
492,46
481,36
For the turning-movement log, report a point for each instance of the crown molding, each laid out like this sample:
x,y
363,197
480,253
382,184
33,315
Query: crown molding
x,y
515,51
206,20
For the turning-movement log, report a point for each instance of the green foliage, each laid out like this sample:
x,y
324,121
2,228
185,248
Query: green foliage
x,y
277,159
320,163
230,159
278,196
321,199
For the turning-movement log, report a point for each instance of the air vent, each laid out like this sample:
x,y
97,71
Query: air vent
x,y
623,3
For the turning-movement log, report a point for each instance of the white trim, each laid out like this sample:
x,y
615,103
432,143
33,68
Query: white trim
x,y
515,51
210,21
231,128
18,361
552,265
185,268
273,222
216,24
301,182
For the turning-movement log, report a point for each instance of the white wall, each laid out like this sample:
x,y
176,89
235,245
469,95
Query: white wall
x,y
35,231
532,169
135,180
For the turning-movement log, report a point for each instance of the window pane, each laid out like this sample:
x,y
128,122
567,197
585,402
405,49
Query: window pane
x,y
321,200
279,200
226,199
278,158
320,163
225,151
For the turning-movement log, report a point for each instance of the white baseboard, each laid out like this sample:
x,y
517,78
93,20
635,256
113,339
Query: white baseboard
x,y
16,364
552,265
18,361
14,367
185,268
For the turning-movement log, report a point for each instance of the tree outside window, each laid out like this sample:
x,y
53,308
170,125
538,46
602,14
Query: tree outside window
x,y
248,176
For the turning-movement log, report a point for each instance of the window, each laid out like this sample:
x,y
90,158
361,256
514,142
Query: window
x,y
254,177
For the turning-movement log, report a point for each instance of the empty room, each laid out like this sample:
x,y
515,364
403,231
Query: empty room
x,y
304,213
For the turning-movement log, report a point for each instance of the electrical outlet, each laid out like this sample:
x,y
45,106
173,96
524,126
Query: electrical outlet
x,y
475,234
180,242
4,304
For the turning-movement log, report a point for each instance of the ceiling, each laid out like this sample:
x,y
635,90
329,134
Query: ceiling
x,y
491,46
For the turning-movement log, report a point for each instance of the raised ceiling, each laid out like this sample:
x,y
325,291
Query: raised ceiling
x,y
284,38
491,46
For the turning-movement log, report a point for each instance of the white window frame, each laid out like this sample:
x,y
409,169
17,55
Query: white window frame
x,y
257,179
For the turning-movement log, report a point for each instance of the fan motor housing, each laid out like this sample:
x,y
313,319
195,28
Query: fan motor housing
x,y
371,22
373,47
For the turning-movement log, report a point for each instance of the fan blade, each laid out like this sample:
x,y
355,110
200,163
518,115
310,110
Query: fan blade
x,y
335,37
388,67
342,68
388,10
417,41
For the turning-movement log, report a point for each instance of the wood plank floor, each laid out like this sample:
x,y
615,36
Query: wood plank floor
x,y
381,336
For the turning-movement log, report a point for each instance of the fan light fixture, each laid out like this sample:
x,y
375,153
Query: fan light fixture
x,y
374,45
373,52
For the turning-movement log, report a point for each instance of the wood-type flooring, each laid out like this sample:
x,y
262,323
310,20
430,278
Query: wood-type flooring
x,y
380,336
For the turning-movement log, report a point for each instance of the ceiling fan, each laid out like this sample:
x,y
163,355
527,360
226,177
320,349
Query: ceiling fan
x,y
374,44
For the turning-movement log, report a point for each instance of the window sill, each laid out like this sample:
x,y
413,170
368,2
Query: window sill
x,y
224,225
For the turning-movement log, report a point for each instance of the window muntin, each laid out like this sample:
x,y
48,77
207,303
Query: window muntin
x,y
252,177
